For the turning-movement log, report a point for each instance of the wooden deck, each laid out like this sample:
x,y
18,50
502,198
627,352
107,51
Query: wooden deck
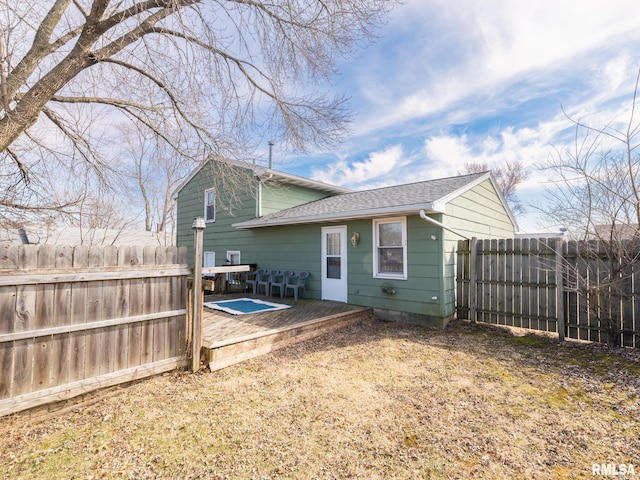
x,y
229,339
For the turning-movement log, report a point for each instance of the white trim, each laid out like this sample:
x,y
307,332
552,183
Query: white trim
x,y
259,170
424,216
339,216
211,256
335,289
376,267
233,252
301,181
206,204
438,206
230,253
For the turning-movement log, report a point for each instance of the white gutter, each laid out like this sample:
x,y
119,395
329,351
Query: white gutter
x,y
424,216
331,217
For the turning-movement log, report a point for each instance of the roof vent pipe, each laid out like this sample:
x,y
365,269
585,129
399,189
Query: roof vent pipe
x,y
24,238
271,144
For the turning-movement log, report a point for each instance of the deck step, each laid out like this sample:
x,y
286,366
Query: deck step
x,y
231,351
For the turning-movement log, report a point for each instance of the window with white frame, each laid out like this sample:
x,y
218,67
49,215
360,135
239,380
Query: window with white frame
x,y
209,259
210,205
390,248
233,257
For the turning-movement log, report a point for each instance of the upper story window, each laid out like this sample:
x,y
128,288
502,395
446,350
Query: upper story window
x,y
210,205
390,248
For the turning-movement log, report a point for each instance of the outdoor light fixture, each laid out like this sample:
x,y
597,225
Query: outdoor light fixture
x,y
355,239
433,237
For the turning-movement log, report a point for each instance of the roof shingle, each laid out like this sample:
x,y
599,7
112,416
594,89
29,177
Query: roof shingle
x,y
387,200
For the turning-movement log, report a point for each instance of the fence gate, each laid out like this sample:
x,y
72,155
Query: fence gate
x,y
509,282
548,285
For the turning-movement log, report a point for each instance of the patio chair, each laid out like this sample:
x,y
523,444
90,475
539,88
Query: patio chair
x,y
296,283
252,279
280,281
264,280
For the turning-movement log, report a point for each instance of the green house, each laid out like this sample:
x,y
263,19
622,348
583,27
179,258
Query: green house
x,y
392,248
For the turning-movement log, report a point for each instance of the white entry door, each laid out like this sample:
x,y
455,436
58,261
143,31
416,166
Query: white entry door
x,y
334,263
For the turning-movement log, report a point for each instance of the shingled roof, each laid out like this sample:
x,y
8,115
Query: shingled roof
x,y
431,196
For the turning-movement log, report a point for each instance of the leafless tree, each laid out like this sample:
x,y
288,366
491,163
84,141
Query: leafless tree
x,y
155,168
230,73
596,196
508,177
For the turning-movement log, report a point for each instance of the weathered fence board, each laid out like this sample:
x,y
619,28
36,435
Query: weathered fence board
x,y
77,318
549,285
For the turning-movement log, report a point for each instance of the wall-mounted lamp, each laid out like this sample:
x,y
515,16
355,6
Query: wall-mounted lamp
x,y
355,239
433,237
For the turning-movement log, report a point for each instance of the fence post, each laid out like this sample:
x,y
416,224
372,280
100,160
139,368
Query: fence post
x,y
196,329
473,279
560,288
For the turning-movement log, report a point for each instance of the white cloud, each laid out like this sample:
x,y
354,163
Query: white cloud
x,y
456,50
447,154
483,81
377,165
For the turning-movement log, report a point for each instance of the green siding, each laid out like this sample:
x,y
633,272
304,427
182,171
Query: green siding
x,y
479,212
277,196
431,263
237,195
424,280
476,213
236,200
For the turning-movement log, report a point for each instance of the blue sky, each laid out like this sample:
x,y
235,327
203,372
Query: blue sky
x,y
457,81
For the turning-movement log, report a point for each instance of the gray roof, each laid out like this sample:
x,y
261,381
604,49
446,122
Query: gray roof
x,y
430,196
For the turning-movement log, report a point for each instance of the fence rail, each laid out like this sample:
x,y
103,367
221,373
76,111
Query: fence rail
x,y
74,319
549,285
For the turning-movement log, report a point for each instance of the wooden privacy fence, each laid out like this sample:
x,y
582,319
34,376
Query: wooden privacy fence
x,y
75,319
550,285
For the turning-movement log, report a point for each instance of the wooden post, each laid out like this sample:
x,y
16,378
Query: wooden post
x,y
196,329
560,288
473,279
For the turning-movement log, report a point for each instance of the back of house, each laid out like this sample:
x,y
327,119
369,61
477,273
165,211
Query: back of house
x,y
392,249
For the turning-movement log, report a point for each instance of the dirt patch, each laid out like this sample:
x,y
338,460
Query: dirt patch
x,y
375,400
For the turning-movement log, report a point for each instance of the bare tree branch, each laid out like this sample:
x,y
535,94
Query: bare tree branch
x,y
224,74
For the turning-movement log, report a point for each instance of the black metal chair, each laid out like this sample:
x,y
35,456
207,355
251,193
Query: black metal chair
x,y
296,283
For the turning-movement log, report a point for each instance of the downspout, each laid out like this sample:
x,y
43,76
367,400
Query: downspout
x,y
442,299
424,216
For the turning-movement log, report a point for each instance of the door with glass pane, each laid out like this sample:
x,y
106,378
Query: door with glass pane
x,y
334,264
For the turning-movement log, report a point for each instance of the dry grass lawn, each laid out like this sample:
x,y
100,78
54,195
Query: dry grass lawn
x,y
371,401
